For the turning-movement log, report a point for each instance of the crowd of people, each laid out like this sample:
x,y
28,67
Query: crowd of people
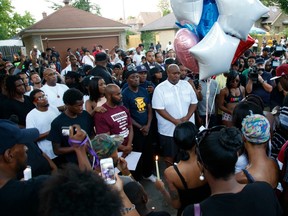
x,y
223,142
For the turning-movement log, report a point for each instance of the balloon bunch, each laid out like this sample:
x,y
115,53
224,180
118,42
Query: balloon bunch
x,y
214,33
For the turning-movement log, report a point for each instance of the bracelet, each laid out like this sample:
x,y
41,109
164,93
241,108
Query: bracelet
x,y
128,175
127,210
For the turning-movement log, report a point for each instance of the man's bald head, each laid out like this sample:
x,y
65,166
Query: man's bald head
x,y
110,89
173,67
113,94
50,76
173,74
47,71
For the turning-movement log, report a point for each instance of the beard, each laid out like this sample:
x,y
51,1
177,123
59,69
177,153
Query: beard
x,y
116,102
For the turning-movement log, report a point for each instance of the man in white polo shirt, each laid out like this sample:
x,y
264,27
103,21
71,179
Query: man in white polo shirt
x,y
175,102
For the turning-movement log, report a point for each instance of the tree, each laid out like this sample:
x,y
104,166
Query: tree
x,y
85,5
12,22
281,3
164,6
147,37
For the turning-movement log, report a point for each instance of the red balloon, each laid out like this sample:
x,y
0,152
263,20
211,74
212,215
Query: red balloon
x,y
183,41
242,47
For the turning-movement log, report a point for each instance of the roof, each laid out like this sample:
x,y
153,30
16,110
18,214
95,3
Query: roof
x,y
70,17
11,42
273,14
148,17
166,22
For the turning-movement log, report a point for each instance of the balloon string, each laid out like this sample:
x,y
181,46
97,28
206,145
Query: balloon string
x,y
213,102
207,104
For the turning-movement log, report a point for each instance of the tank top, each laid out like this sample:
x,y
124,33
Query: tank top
x,y
189,196
234,99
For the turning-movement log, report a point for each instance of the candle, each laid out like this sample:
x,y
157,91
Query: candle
x,y
157,168
27,173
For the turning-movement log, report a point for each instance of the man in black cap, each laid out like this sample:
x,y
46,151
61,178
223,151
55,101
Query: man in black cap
x,y
259,83
17,197
137,100
265,53
101,68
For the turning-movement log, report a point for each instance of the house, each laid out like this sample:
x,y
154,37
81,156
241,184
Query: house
x,y
143,18
164,29
73,28
275,21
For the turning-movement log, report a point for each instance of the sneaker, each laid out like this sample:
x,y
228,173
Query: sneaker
x,y
151,178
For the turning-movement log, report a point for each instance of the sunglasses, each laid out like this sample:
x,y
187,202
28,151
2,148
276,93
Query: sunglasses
x,y
202,135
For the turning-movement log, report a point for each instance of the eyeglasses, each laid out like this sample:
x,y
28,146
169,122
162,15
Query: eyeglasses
x,y
42,97
202,135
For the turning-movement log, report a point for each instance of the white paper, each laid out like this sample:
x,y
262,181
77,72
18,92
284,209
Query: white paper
x,y
132,159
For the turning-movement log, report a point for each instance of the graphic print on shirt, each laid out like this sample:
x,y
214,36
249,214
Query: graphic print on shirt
x,y
140,103
122,119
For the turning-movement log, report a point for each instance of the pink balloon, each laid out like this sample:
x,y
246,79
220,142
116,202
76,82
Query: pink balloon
x,y
184,40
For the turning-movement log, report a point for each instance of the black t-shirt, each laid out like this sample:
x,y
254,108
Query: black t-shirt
x,y
3,107
20,109
35,159
102,72
158,213
84,120
255,199
20,197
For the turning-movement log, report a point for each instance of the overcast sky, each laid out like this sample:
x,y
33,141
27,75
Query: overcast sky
x,y
112,9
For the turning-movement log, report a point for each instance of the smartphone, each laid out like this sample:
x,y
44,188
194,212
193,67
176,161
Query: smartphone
x,y
107,170
65,131
23,51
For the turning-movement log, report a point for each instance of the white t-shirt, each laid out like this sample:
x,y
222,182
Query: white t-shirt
x,y
175,99
28,93
65,70
89,60
42,121
137,59
169,47
55,94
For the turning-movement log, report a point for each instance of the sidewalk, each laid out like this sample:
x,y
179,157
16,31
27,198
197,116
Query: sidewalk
x,y
156,200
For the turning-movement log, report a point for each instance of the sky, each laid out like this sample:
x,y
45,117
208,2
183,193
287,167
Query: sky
x,y
112,9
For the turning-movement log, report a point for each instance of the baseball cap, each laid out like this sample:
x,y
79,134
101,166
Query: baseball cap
x,y
256,128
11,134
281,70
259,61
131,69
141,68
101,56
104,145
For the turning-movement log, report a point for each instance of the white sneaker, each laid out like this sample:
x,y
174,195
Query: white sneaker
x,y
151,178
